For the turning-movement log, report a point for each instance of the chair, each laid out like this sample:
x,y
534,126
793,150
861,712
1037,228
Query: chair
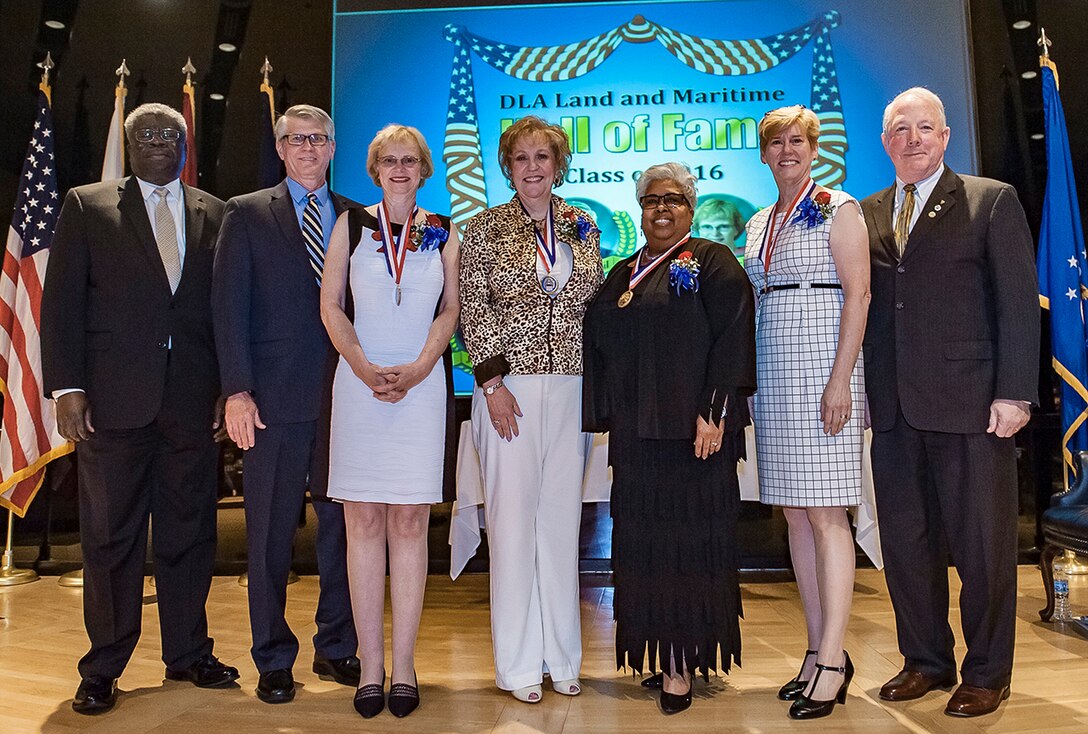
x,y
1065,526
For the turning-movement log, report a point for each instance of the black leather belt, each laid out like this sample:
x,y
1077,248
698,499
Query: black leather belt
x,y
793,286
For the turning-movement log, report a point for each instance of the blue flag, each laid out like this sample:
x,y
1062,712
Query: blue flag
x,y
1063,275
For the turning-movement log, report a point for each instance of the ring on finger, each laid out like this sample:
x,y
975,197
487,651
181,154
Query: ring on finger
x,y
496,422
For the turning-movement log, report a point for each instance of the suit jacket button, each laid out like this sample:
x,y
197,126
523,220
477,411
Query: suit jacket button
x,y
900,269
898,305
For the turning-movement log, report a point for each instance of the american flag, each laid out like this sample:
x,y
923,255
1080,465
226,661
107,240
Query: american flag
x,y
28,438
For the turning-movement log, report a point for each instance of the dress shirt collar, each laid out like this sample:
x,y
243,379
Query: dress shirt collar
x,y
173,189
298,193
922,191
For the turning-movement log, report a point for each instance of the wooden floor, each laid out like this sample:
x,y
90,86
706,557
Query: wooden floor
x,y
42,637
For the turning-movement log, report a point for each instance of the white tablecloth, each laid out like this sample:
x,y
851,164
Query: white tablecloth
x,y
468,509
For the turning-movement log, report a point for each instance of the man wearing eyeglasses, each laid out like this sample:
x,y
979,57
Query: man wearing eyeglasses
x,y
129,356
277,365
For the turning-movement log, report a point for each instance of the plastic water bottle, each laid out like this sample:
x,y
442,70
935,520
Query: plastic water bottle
x,y
1061,592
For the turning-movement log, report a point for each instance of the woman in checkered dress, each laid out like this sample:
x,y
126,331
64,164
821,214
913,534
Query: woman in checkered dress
x,y
808,260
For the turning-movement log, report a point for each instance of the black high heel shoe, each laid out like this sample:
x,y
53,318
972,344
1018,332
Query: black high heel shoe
x,y
808,708
370,699
404,698
793,690
674,703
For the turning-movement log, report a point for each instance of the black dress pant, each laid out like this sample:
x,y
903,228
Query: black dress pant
x,y
168,473
939,494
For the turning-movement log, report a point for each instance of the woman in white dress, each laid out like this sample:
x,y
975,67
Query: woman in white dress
x,y
390,303
808,259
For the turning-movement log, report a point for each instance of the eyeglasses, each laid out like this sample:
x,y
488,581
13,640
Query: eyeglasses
x,y
167,134
672,201
389,161
316,139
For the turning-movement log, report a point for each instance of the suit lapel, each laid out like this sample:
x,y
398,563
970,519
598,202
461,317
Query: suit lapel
x,y
131,204
885,206
283,211
940,201
195,211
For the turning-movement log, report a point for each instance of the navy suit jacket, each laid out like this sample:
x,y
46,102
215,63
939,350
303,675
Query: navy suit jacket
x,y
265,302
110,325
954,323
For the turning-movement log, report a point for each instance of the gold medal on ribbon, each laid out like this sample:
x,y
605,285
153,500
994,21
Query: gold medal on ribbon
x,y
625,298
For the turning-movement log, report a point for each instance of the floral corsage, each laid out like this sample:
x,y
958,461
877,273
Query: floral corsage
x,y
684,272
814,210
574,226
430,235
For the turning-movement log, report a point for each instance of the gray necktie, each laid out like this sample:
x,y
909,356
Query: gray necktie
x,y
166,234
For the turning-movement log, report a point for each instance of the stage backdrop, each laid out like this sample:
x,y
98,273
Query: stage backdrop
x,y
636,84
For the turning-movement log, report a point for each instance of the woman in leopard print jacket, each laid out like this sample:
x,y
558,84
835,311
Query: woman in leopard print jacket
x,y
528,269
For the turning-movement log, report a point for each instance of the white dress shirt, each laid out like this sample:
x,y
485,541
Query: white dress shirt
x,y
922,191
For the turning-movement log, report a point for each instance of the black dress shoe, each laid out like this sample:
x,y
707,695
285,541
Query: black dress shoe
x,y
654,682
674,703
207,672
276,686
344,671
96,695
370,699
403,698
794,688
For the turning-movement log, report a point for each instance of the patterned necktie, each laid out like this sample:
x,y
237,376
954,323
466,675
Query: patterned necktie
x,y
902,222
166,235
312,234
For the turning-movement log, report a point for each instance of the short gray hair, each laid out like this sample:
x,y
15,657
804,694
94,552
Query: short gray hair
x,y
919,93
678,173
155,108
305,112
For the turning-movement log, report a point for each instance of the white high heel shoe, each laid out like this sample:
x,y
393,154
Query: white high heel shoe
x,y
570,687
529,694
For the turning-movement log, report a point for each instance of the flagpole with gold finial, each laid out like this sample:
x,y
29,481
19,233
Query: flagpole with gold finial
x,y
122,92
188,93
266,87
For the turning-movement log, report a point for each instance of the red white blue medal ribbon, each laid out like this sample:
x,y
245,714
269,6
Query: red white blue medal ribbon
x,y
640,271
770,237
394,248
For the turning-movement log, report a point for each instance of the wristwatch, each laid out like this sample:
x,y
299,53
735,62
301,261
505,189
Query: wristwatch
x,y
491,390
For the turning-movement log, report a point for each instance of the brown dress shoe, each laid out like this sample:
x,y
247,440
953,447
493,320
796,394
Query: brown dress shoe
x,y
911,684
975,701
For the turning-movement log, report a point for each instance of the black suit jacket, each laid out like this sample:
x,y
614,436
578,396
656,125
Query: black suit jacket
x,y
109,322
954,324
267,312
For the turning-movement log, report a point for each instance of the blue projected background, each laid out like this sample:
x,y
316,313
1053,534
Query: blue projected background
x,y
637,84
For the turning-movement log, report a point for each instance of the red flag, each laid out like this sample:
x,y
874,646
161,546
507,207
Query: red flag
x,y
188,171
28,439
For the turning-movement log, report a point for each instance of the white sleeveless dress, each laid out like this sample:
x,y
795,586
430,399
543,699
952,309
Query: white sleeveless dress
x,y
797,335
389,452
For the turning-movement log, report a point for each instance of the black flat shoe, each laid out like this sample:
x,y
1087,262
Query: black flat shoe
x,y
370,699
793,690
654,682
403,698
276,686
96,695
207,672
674,703
344,671
807,708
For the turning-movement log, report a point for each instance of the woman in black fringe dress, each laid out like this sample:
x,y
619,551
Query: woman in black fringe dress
x,y
669,361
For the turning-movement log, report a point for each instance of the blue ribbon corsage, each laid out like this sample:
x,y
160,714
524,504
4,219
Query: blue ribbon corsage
x,y
684,273
814,210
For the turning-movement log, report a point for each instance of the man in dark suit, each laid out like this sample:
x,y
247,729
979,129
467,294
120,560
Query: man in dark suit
x,y
128,353
951,370
277,365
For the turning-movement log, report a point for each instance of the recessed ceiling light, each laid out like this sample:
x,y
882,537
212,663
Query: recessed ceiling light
x,y
1038,136
54,24
1029,74
228,47
216,96
1021,24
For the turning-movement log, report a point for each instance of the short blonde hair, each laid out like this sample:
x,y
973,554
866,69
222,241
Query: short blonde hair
x,y
678,173
391,134
783,118
530,126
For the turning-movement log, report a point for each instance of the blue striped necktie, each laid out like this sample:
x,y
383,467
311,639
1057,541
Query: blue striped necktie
x,y
312,234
